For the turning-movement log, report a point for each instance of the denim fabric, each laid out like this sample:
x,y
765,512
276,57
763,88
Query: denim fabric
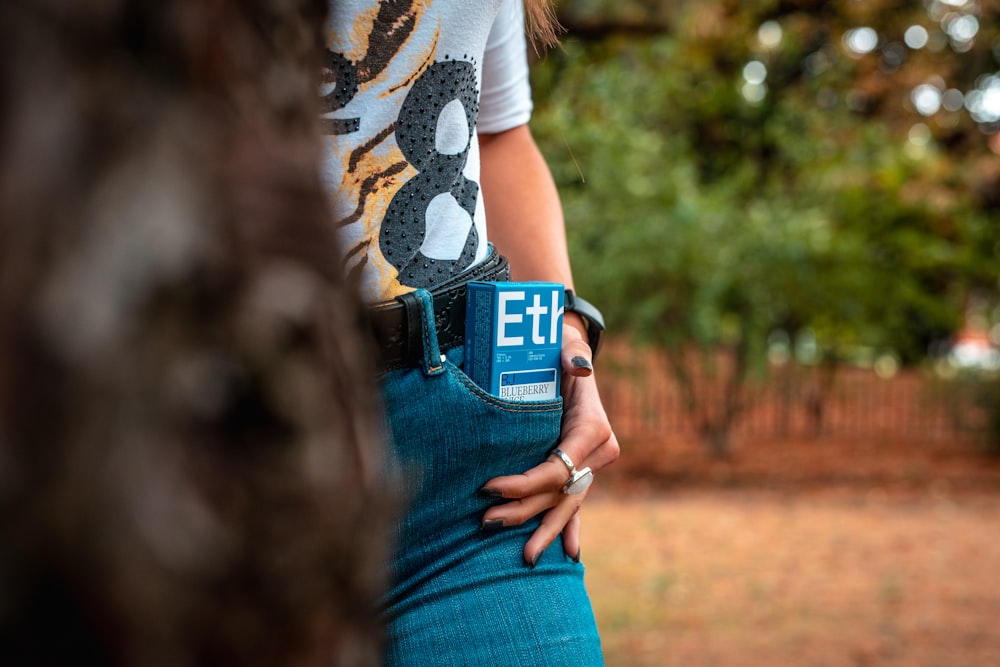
x,y
462,596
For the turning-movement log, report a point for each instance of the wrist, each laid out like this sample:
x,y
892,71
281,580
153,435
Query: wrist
x,y
576,321
582,311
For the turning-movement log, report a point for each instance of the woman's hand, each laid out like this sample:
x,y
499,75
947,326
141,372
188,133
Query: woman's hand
x,y
587,439
526,224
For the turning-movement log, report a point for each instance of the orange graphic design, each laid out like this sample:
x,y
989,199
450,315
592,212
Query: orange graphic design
x,y
375,170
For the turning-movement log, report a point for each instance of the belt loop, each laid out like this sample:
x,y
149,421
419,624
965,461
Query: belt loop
x,y
421,332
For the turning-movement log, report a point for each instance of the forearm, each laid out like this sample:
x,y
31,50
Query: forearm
x,y
523,213
524,217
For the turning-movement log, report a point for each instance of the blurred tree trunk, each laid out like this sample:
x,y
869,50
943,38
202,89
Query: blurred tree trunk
x,y
817,397
712,386
190,467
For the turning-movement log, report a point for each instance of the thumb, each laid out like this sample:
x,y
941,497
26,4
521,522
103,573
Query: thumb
x,y
576,354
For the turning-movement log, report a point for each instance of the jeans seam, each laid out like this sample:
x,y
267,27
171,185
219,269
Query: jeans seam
x,y
431,364
489,399
427,351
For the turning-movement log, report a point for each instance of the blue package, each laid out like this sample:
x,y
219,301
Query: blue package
x,y
513,338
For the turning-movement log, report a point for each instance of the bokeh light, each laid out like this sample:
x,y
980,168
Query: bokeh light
x,y
755,72
962,28
983,103
769,34
953,99
917,141
754,93
919,134
926,99
861,40
916,37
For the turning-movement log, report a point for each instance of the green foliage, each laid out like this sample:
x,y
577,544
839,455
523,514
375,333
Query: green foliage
x,y
706,210
700,217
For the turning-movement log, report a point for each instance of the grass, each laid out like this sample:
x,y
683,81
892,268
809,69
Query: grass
x,y
824,577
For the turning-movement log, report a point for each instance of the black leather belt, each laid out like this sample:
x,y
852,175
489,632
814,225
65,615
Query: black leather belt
x,y
397,326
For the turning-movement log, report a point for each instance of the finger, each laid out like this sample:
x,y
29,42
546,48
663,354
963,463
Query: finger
x,y
517,512
587,436
582,439
576,354
553,523
576,359
552,474
571,537
548,476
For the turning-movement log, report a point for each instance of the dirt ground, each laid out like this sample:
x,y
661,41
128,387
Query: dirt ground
x,y
798,553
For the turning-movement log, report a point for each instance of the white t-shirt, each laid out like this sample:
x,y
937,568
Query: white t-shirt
x,y
409,86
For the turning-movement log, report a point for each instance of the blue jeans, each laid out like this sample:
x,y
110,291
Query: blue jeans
x,y
462,596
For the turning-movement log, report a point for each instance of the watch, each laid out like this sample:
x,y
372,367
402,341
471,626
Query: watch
x,y
592,319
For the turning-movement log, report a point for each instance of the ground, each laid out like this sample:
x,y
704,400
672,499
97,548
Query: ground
x,y
825,553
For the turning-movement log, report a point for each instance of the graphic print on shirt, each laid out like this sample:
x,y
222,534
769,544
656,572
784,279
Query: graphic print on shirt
x,y
417,204
402,118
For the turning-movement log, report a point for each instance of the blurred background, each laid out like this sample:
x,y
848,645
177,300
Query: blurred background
x,y
790,215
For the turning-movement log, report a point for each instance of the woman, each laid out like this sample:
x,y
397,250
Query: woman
x,y
435,181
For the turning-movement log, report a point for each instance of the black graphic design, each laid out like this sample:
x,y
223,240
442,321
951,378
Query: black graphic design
x,y
345,75
393,25
405,225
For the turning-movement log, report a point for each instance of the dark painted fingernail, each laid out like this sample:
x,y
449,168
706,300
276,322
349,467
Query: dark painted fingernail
x,y
534,559
489,492
492,524
576,558
582,362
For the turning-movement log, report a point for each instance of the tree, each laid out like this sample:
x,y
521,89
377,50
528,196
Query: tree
x,y
188,435
722,182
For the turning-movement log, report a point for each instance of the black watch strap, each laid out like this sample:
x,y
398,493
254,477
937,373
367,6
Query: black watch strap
x,y
592,319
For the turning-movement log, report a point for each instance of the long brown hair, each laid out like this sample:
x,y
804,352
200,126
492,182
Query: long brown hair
x,y
543,26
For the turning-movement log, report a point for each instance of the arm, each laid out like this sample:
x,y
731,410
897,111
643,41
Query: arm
x,y
526,224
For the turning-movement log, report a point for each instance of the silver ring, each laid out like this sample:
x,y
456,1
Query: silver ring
x,y
570,466
579,480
